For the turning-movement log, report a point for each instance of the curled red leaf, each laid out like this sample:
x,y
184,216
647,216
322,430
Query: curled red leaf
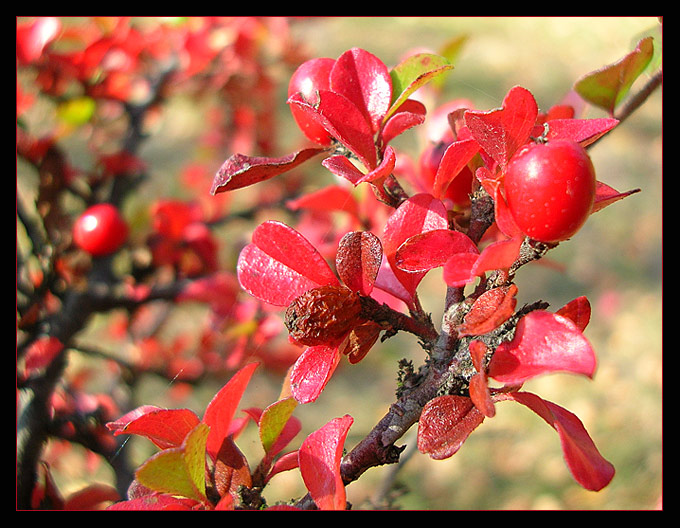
x,y
544,343
241,171
444,425
358,260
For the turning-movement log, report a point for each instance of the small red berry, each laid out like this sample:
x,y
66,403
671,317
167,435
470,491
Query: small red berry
x,y
550,189
100,230
311,76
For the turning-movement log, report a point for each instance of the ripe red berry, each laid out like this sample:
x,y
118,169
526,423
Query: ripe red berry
x,y
550,189
311,76
100,230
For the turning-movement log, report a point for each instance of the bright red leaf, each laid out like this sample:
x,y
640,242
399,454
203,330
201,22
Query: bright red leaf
x,y
455,159
425,251
280,264
411,113
544,342
220,411
588,467
364,79
578,311
312,371
343,121
500,132
164,427
319,456
605,195
422,212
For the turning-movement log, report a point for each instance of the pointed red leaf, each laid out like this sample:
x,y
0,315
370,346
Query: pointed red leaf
x,y
578,311
455,158
445,424
312,371
489,311
358,260
164,427
241,171
544,343
422,212
500,132
425,251
411,113
583,131
319,458
605,195
220,411
588,467
343,120
280,265
365,80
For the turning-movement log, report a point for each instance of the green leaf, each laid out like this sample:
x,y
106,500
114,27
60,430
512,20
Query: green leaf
x,y
179,470
273,420
412,73
607,86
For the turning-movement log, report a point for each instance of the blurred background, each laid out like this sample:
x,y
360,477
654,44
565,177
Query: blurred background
x,y
514,460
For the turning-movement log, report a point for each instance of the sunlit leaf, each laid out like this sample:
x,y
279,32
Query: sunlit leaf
x,y
319,457
312,371
544,343
608,86
358,260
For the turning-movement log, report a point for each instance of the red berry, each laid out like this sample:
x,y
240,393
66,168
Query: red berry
x,y
550,189
100,230
311,75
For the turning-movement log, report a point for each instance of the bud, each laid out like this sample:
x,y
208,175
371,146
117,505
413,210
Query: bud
x,y
323,315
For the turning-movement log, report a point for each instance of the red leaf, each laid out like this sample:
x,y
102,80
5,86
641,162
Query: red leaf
x,y
42,352
420,213
605,195
365,80
489,311
342,120
578,311
358,260
329,198
499,255
588,467
241,171
280,265
220,411
425,251
502,131
411,113
583,131
166,428
343,167
231,470
445,424
458,269
312,371
455,159
91,498
544,342
479,388
319,456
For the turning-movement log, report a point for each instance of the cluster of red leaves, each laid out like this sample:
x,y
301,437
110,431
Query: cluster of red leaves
x,y
363,113
199,466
